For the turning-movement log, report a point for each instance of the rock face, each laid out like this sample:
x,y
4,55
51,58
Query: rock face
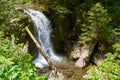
x,y
81,54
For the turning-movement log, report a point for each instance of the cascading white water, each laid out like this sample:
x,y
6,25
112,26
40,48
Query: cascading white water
x,y
42,30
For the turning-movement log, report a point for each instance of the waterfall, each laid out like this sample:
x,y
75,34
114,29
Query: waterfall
x,y
42,31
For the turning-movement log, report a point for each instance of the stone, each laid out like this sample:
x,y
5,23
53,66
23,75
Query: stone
x,y
81,54
75,53
80,63
85,52
55,74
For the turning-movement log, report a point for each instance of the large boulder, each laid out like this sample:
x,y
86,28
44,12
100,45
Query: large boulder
x,y
81,54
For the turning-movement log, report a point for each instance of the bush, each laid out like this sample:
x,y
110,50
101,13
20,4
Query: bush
x,y
15,64
110,67
12,20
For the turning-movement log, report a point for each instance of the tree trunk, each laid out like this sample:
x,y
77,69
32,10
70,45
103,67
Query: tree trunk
x,y
40,49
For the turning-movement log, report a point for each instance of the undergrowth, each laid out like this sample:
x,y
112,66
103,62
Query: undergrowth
x,y
109,68
15,64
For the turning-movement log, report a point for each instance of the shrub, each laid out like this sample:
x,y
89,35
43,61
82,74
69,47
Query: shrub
x,y
110,67
15,64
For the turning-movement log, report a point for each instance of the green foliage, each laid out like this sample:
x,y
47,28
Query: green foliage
x,y
61,10
7,9
12,21
42,78
110,67
95,25
15,64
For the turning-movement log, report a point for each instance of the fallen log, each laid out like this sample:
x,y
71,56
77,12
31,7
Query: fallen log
x,y
40,49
